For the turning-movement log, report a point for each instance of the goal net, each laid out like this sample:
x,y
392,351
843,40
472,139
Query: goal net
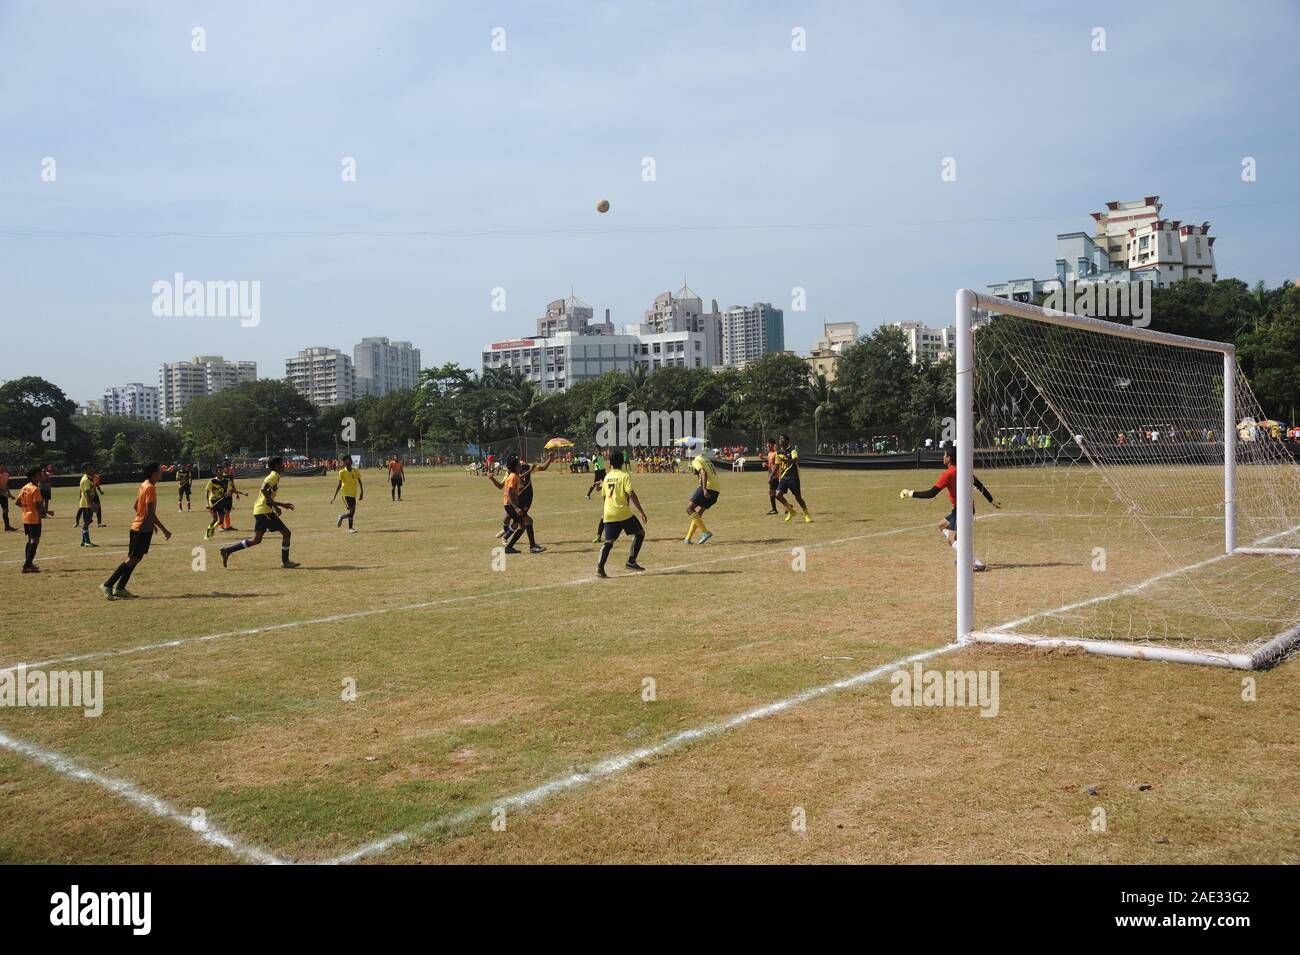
x,y
1149,509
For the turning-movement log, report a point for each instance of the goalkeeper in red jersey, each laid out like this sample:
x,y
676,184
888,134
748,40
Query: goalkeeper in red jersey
x,y
948,482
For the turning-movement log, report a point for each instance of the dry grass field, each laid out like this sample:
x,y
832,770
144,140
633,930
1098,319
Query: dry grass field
x,y
732,704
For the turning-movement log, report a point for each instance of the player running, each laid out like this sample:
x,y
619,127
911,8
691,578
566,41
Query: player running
x,y
353,491
266,517
32,503
948,481
86,503
618,517
705,496
787,465
396,477
142,528
216,492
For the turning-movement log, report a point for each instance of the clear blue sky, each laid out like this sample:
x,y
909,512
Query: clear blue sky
x,y
760,151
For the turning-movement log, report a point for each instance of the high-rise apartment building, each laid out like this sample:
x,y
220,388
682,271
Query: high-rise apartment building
x,y
179,381
136,400
324,376
382,366
751,331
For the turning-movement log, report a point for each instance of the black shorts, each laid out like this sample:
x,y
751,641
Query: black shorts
x,y
788,484
182,491
395,480
139,546
512,514
631,527
350,503
45,494
598,476
526,499
704,499
222,506
268,522
33,531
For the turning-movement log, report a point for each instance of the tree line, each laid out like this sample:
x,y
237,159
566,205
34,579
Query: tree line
x,y
876,389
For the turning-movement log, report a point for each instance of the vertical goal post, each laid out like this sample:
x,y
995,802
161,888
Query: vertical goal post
x,y
1259,654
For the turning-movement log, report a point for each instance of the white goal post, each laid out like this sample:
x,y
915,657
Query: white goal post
x,y
1063,425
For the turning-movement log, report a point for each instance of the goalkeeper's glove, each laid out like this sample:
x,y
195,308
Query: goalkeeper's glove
x,y
905,493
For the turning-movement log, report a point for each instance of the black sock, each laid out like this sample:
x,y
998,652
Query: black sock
x,y
117,575
284,553
532,541
605,548
127,571
519,532
350,516
636,549
30,553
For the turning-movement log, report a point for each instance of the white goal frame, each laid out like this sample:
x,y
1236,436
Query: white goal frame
x,y
967,302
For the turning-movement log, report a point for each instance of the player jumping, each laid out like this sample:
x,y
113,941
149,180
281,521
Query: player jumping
x,y
515,511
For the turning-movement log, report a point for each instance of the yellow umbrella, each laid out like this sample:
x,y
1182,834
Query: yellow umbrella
x,y
558,443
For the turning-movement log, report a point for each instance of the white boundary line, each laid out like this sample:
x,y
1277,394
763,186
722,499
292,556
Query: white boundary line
x,y
526,798
427,604
139,798
161,808
616,764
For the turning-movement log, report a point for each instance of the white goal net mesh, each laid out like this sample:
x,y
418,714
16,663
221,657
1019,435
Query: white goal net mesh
x,y
1108,454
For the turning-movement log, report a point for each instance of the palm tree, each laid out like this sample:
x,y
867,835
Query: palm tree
x,y
520,405
824,398
636,386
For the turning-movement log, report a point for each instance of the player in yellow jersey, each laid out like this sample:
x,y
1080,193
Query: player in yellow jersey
x,y
705,496
184,481
266,517
353,491
787,466
219,497
619,499
86,503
